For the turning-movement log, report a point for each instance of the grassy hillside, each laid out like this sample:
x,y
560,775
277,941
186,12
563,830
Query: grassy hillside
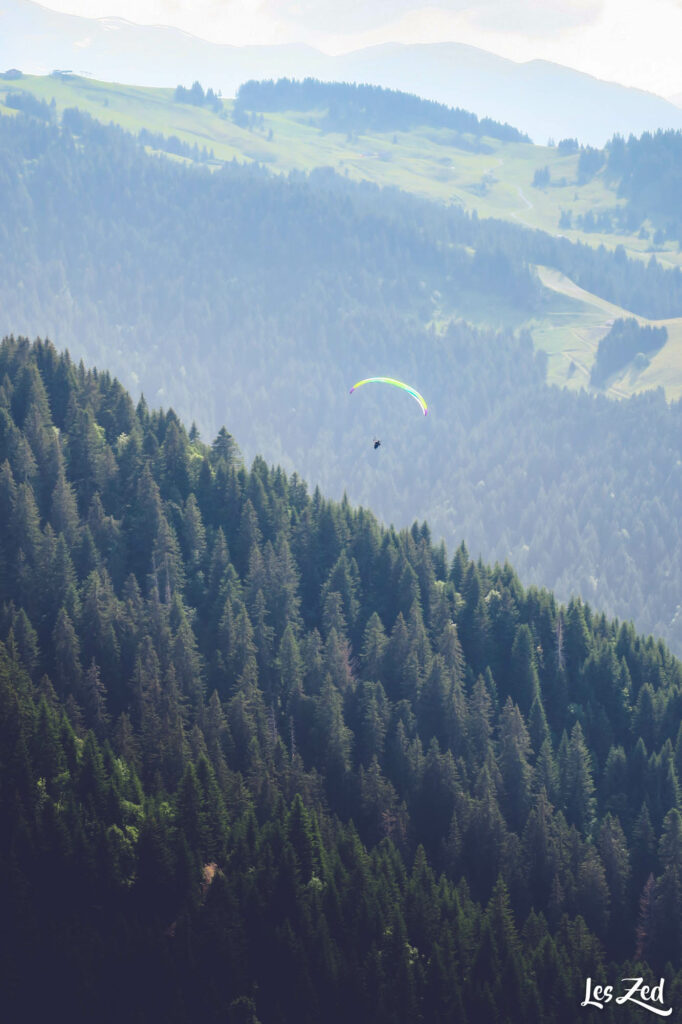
x,y
570,336
493,178
496,181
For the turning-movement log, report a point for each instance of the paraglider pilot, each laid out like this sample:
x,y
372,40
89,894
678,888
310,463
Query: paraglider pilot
x,y
376,444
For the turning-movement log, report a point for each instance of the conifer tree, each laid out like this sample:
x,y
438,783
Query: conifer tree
x,y
373,649
514,762
63,509
67,665
524,686
578,784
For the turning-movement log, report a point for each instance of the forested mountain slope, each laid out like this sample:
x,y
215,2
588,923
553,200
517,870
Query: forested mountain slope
x,y
648,174
360,108
398,139
262,759
236,295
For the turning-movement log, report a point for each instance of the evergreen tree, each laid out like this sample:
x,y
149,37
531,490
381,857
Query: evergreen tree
x,y
524,686
515,751
577,783
67,665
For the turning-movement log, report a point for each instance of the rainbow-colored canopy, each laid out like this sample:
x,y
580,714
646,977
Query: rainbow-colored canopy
x,y
396,383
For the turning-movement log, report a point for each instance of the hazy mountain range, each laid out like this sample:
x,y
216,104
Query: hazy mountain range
x,y
543,99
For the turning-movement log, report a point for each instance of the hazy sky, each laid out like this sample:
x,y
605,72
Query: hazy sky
x,y
635,42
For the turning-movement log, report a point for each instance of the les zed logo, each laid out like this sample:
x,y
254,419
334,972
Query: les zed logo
x,y
638,993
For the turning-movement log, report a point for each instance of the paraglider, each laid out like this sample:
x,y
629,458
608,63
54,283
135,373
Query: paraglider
x,y
396,383
376,443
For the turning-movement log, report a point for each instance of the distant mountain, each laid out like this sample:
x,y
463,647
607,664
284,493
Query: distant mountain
x,y
543,99
35,39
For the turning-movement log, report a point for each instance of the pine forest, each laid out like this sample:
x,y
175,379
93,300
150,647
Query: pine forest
x,y
264,759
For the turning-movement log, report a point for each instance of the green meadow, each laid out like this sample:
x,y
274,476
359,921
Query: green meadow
x,y
431,163
570,333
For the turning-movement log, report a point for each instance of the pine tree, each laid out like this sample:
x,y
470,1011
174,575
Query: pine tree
x,y
94,701
645,719
615,784
290,667
145,523
644,861
67,666
167,571
479,728
336,662
541,850
538,728
284,589
578,784
64,509
263,637
592,892
193,542
301,835
187,662
545,774
224,450
433,706
646,936
47,754
333,738
372,722
343,580
524,685
576,645
26,640
613,850
249,536
373,649
92,783
670,845
26,528
332,615
175,473
514,761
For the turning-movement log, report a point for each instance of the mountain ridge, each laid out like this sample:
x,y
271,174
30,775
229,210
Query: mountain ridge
x,y
532,97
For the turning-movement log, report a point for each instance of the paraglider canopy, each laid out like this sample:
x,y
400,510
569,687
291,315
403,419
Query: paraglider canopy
x,y
396,383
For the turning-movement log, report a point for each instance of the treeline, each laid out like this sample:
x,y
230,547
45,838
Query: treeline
x,y
172,144
649,176
79,124
263,759
31,105
647,289
590,161
356,108
196,97
626,340
647,172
